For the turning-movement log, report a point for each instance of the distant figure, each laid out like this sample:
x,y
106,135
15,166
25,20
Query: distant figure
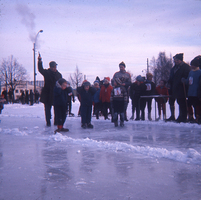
x,y
51,75
31,97
10,94
27,97
2,101
22,97
86,93
5,95
162,90
37,95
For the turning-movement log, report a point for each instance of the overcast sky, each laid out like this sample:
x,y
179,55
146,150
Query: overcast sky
x,y
96,35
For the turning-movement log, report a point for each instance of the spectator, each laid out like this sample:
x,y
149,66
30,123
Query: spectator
x,y
71,98
149,91
105,94
96,99
162,90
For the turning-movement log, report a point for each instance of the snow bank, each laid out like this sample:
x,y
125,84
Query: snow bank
x,y
191,156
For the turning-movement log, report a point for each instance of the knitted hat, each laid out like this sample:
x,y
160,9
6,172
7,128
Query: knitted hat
x,y
107,78
122,64
53,64
96,82
61,81
139,78
179,56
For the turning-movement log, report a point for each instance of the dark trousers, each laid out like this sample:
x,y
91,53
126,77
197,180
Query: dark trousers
x,y
106,106
139,105
69,103
86,114
182,109
60,114
97,108
148,101
194,101
47,112
118,107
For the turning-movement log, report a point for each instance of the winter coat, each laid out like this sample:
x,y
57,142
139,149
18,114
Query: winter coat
x,y
180,71
150,88
162,91
86,96
60,96
50,78
193,82
136,91
96,96
105,93
123,77
119,93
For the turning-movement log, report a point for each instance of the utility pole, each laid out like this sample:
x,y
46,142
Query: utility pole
x,y
147,65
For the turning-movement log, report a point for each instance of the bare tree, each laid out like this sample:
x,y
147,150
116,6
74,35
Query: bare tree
x,y
12,73
76,78
161,67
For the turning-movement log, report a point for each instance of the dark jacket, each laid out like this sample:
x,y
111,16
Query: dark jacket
x,y
180,72
60,96
136,91
86,96
50,79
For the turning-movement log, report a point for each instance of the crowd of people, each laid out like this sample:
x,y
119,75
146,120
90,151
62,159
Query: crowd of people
x,y
112,96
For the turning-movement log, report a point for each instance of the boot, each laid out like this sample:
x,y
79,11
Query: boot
x,y
149,117
90,125
159,118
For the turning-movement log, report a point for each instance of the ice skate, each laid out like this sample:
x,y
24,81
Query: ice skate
x,y
90,125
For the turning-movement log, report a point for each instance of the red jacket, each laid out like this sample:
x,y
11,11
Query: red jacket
x,y
162,91
105,93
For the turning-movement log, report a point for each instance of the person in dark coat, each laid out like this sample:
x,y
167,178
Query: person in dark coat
x,y
5,94
51,75
31,97
22,97
118,100
179,91
27,97
151,86
60,104
138,89
86,93
10,94
37,95
71,98
96,100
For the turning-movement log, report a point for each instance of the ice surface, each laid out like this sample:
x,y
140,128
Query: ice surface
x,y
142,160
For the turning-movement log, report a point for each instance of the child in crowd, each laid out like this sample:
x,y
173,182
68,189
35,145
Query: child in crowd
x,y
96,100
194,82
71,98
105,94
118,101
162,90
60,104
86,93
138,89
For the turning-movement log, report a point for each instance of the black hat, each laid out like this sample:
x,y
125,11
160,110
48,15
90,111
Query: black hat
x,y
123,64
61,81
179,56
52,64
199,59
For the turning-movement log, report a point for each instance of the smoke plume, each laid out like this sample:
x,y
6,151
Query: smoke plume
x,y
27,19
